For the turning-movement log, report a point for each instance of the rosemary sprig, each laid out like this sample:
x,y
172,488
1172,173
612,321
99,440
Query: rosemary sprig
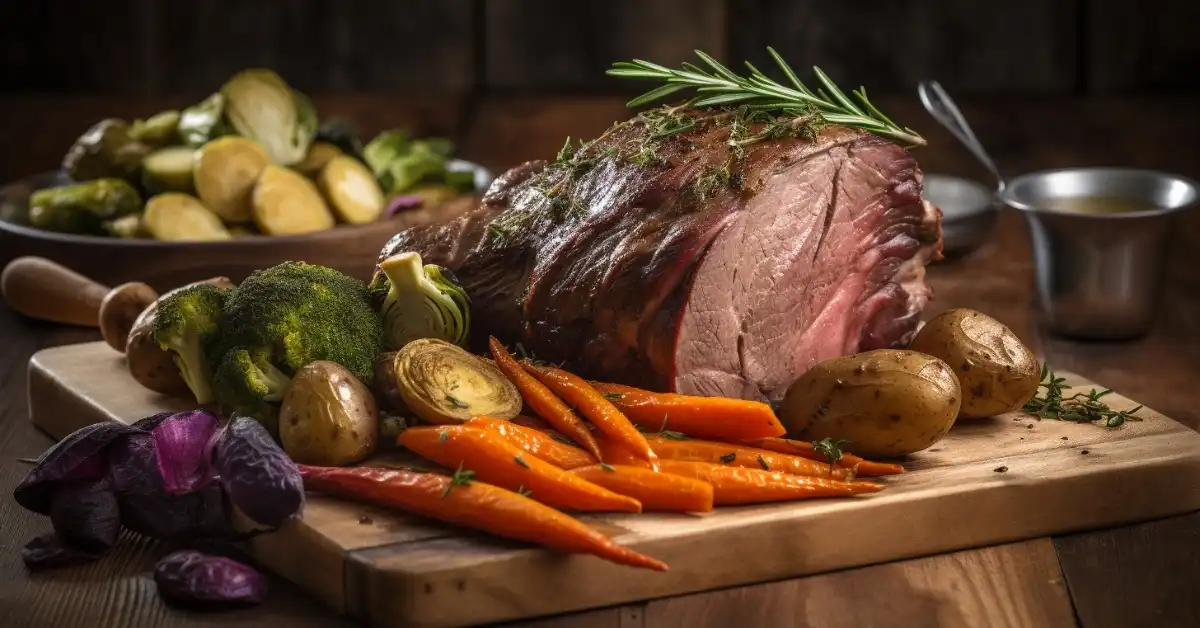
x,y
720,87
831,448
1078,408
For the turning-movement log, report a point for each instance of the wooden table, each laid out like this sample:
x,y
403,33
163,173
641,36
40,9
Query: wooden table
x,y
1135,575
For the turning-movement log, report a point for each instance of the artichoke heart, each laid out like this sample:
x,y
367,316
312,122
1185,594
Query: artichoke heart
x,y
423,301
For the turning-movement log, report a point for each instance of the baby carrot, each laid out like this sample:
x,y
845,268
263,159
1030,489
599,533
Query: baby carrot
x,y
538,443
805,449
496,461
532,422
741,456
739,485
716,418
461,501
604,415
657,491
545,403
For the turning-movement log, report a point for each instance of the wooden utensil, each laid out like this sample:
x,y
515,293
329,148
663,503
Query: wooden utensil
x,y
39,288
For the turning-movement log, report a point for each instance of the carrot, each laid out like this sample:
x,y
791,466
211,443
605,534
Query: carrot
x,y
805,449
538,443
462,501
531,422
657,491
614,452
544,402
715,418
739,485
676,448
604,415
496,461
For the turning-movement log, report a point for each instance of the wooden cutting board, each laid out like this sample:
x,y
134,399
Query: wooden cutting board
x,y
992,481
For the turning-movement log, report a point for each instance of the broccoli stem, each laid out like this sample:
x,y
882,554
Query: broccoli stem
x,y
192,369
277,382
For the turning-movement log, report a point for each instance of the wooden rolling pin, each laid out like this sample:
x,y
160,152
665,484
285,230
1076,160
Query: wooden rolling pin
x,y
40,288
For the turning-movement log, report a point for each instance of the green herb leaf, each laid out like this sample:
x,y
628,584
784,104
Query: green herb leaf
x,y
728,458
831,448
763,463
612,395
718,86
521,461
461,477
443,436
1079,407
455,402
562,439
607,467
674,435
521,490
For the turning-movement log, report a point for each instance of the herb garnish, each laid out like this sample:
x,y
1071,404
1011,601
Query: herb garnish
x,y
461,477
831,448
521,461
524,492
720,87
664,432
562,439
763,463
729,457
612,395
1078,408
455,402
607,467
443,436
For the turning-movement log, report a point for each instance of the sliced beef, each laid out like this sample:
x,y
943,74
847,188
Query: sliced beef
x,y
698,252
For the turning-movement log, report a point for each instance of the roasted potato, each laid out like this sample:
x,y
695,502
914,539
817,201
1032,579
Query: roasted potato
x,y
178,216
318,156
286,203
328,416
996,371
886,402
352,190
225,172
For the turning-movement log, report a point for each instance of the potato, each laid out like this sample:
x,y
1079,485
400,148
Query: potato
x,y
319,154
996,371
224,172
179,216
352,190
328,416
286,203
885,402
150,364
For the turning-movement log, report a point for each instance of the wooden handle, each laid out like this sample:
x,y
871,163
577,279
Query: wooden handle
x,y
46,290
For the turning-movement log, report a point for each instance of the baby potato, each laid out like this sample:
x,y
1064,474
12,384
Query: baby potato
x,y
224,173
328,417
996,371
179,216
886,402
286,203
352,190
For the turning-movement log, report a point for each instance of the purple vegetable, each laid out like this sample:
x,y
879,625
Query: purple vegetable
x,y
402,203
259,478
84,515
79,456
191,578
181,448
49,552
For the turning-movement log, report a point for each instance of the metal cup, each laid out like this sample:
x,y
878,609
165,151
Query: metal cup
x,y
1099,275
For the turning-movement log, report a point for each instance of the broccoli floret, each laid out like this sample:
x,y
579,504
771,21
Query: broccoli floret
x,y
186,323
284,317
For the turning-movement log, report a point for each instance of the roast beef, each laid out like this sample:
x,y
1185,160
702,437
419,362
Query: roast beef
x,y
702,252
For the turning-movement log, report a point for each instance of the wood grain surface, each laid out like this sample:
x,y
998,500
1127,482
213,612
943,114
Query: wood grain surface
x,y
1135,575
1007,478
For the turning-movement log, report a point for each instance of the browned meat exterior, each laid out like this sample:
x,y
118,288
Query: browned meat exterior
x,y
699,252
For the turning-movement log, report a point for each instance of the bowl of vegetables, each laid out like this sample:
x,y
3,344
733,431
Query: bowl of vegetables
x,y
248,177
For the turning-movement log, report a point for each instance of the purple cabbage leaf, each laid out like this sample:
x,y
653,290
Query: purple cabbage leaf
x,y
192,578
259,478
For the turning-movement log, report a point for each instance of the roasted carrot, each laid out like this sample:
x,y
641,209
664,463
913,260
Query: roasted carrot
x,y
461,501
532,422
536,442
716,418
680,448
657,491
496,461
805,449
544,402
602,413
739,485
614,452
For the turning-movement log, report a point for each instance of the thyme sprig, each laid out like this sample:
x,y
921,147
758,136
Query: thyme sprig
x,y
720,87
1078,408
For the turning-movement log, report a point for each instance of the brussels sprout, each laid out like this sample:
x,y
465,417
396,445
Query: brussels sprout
x,y
422,302
261,106
83,207
161,129
286,203
400,163
105,150
202,122
444,384
177,216
352,190
319,154
168,170
224,172
126,227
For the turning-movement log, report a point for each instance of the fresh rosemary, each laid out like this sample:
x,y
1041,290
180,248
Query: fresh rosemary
x,y
461,477
1078,408
720,87
831,448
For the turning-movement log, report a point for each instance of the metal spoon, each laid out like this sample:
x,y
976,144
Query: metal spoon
x,y
939,105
